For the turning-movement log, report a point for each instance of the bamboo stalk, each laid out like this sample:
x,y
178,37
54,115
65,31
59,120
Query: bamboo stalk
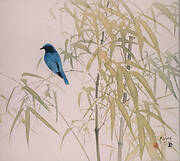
x,y
96,121
120,140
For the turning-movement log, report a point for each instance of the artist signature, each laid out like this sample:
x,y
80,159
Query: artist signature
x,y
167,141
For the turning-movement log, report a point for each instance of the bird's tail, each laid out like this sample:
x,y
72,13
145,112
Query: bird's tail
x,y
63,76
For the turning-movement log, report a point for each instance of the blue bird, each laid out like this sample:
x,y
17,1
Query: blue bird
x,y
53,61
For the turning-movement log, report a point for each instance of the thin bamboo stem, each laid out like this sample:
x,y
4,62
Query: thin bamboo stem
x,y
120,140
82,147
96,121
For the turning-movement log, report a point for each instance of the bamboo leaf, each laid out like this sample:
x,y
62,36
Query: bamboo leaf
x,y
166,80
106,24
139,37
31,75
9,99
125,115
132,154
81,46
38,63
152,37
141,133
158,118
144,82
131,86
165,11
27,124
56,105
36,96
103,74
65,134
120,85
111,70
152,151
81,3
79,99
15,120
37,115
91,60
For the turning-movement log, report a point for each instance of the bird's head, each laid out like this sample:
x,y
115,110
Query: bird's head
x,y
48,48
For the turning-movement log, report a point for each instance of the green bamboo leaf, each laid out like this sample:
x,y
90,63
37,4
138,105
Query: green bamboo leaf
x,y
152,37
166,80
36,96
113,116
132,154
165,11
79,98
111,70
131,86
77,24
38,63
65,134
56,105
103,74
91,60
31,75
95,26
139,37
144,82
15,120
27,124
82,47
158,118
149,130
81,3
153,153
37,115
9,99
120,85
141,133
106,24
68,10
125,114
52,13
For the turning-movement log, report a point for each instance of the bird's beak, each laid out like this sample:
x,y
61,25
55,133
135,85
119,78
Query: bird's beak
x,y
41,48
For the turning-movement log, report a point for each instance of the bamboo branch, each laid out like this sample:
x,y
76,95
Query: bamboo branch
x,y
131,38
96,121
120,140
82,147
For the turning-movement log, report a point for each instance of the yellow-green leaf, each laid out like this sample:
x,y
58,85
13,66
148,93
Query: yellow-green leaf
x,y
56,105
144,82
131,86
91,60
158,118
139,36
36,96
132,154
125,115
27,124
106,24
141,133
120,85
152,37
153,153
10,96
37,115
15,120
65,134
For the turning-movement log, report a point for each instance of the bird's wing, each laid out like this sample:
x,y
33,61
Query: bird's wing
x,y
57,59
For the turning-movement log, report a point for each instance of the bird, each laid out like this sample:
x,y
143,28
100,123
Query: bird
x,y
53,61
